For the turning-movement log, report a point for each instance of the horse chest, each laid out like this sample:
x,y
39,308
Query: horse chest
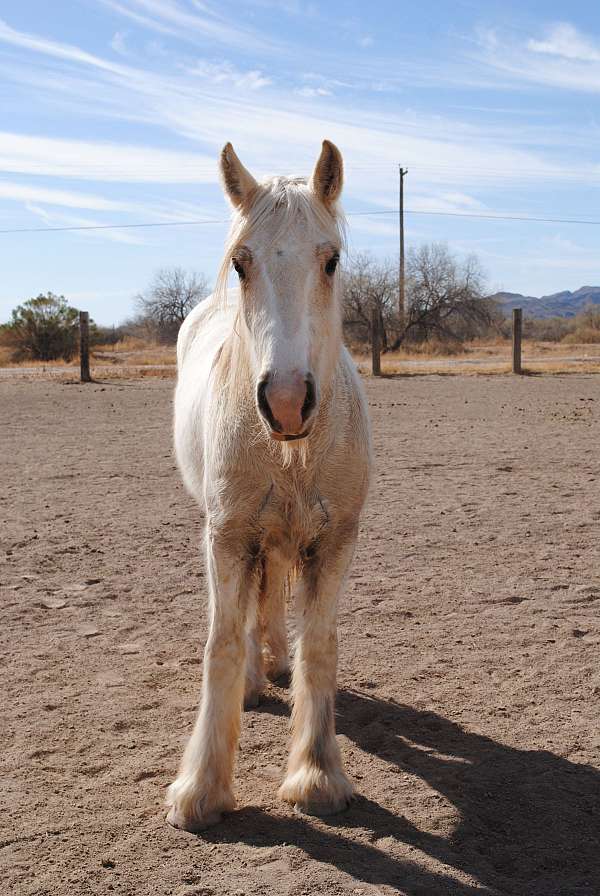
x,y
292,518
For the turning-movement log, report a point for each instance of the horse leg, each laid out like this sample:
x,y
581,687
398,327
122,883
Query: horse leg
x,y
266,638
202,789
255,667
315,782
272,611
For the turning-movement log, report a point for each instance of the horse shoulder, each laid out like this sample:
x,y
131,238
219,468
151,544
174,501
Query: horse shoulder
x,y
358,410
206,326
346,469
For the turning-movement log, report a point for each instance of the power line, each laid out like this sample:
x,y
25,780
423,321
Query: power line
x,y
114,226
491,217
411,211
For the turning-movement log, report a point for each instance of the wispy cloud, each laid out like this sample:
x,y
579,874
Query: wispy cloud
x,y
80,159
276,77
36,194
118,43
226,73
33,193
53,48
563,58
439,151
58,219
295,8
168,17
566,41
311,92
561,252
355,31
446,202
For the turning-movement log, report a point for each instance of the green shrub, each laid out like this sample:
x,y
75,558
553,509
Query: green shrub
x,y
42,329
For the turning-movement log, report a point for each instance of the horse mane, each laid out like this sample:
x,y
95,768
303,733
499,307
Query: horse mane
x,y
291,200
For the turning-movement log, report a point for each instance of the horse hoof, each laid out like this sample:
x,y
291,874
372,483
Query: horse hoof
x,y
315,792
252,700
195,809
193,824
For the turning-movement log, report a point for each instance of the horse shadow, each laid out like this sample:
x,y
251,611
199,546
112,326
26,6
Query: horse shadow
x,y
529,820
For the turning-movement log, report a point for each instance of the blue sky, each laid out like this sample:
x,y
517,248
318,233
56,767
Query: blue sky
x,y
113,112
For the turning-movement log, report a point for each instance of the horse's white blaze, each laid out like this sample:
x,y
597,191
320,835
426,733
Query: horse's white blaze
x,y
256,364
281,343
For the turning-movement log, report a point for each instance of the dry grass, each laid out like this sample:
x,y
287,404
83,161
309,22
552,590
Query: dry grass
x,y
6,360
136,352
131,358
489,356
136,358
587,335
128,344
5,354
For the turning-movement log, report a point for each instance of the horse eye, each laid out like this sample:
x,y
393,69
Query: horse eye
x,y
332,265
238,268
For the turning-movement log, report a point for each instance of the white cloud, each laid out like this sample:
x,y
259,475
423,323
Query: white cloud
x,y
446,202
438,151
118,43
169,17
290,7
312,91
52,48
382,227
253,79
34,196
314,78
564,58
58,219
558,253
24,154
226,73
564,40
65,198
156,48
564,252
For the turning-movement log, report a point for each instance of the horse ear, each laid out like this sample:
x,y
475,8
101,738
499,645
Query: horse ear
x,y
239,184
328,177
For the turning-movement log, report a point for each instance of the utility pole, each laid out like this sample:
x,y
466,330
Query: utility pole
x,y
401,279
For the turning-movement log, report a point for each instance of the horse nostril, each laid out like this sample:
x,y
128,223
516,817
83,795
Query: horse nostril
x,y
263,404
310,399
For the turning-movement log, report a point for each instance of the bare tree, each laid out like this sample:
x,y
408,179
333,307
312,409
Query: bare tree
x,y
168,300
368,284
446,298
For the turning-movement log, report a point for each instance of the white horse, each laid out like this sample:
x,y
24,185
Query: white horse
x,y
272,439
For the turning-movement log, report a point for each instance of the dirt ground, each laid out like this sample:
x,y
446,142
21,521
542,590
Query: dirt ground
x,y
469,683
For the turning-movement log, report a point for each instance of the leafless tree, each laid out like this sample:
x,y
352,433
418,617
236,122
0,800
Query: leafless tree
x,y
172,294
368,284
446,296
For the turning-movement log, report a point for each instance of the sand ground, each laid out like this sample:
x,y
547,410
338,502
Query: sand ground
x,y
469,684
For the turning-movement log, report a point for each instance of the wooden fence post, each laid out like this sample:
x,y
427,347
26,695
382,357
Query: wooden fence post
x,y
375,342
517,332
84,346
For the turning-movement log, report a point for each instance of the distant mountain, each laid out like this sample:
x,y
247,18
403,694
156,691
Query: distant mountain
x,y
559,304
